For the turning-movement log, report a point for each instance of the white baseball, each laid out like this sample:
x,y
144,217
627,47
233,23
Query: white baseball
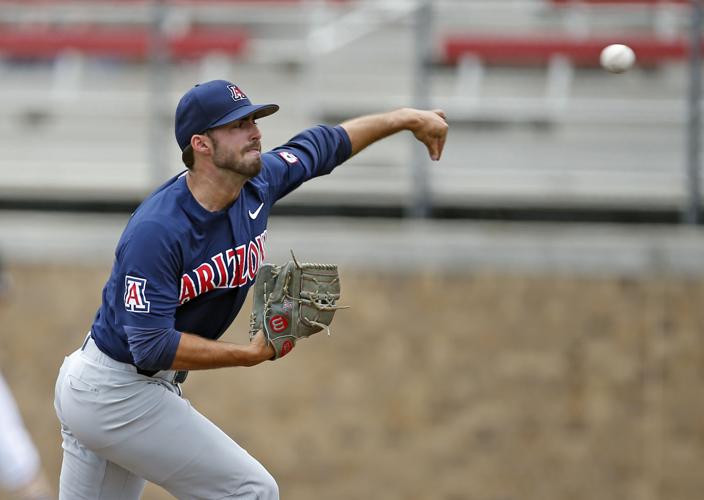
x,y
617,58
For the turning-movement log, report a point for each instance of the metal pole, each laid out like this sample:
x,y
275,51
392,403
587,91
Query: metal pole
x,y
693,210
159,114
420,202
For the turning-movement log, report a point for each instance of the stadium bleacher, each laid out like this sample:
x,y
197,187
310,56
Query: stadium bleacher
x,y
535,123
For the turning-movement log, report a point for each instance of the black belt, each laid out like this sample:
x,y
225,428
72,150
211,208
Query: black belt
x,y
148,373
180,377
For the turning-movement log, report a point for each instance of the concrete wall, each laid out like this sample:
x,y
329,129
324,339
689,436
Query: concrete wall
x,y
434,385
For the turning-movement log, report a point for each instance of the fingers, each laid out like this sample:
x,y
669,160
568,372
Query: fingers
x,y
441,146
264,348
439,137
432,131
440,113
435,148
432,151
259,338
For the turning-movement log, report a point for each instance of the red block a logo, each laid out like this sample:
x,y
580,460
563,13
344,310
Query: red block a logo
x,y
135,299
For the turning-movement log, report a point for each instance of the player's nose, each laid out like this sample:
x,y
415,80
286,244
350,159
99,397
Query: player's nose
x,y
254,132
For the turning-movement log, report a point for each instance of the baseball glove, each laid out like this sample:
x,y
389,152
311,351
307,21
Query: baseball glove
x,y
293,301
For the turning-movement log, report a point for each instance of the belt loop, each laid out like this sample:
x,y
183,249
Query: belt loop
x,y
180,376
85,342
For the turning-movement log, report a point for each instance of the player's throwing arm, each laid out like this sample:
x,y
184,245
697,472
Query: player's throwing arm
x,y
429,127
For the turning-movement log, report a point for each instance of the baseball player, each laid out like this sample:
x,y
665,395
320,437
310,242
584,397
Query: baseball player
x,y
182,269
20,466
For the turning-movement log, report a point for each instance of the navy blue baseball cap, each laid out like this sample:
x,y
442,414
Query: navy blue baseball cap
x,y
211,104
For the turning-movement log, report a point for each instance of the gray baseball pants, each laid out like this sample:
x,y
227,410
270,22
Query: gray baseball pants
x,y
121,428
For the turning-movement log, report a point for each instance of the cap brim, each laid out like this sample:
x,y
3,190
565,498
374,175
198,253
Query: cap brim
x,y
258,110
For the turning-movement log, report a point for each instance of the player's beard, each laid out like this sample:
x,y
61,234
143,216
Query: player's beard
x,y
246,166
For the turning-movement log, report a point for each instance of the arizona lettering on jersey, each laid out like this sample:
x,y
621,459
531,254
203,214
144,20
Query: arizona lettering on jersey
x,y
181,268
232,268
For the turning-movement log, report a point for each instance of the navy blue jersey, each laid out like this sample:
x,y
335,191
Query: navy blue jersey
x,y
180,268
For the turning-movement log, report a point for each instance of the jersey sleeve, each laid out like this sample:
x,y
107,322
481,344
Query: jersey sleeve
x,y
147,293
314,152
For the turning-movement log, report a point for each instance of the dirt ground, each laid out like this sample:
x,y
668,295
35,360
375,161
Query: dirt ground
x,y
472,386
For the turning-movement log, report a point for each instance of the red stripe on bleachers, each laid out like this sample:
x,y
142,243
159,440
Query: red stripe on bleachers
x,y
194,3
130,43
538,50
620,2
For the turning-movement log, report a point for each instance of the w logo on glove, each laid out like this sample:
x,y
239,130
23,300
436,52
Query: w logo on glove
x,y
278,323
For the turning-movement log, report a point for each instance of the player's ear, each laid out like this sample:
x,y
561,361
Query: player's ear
x,y
201,144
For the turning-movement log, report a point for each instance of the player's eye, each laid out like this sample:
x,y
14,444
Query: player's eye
x,y
242,123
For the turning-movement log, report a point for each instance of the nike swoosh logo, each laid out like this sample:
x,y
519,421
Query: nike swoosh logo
x,y
253,215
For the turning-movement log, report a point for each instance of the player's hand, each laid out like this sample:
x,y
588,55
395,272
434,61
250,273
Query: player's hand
x,y
430,128
261,349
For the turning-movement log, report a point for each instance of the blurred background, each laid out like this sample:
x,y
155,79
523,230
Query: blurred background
x,y
526,315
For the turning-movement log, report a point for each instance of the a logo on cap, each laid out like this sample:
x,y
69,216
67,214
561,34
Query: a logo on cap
x,y
237,94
